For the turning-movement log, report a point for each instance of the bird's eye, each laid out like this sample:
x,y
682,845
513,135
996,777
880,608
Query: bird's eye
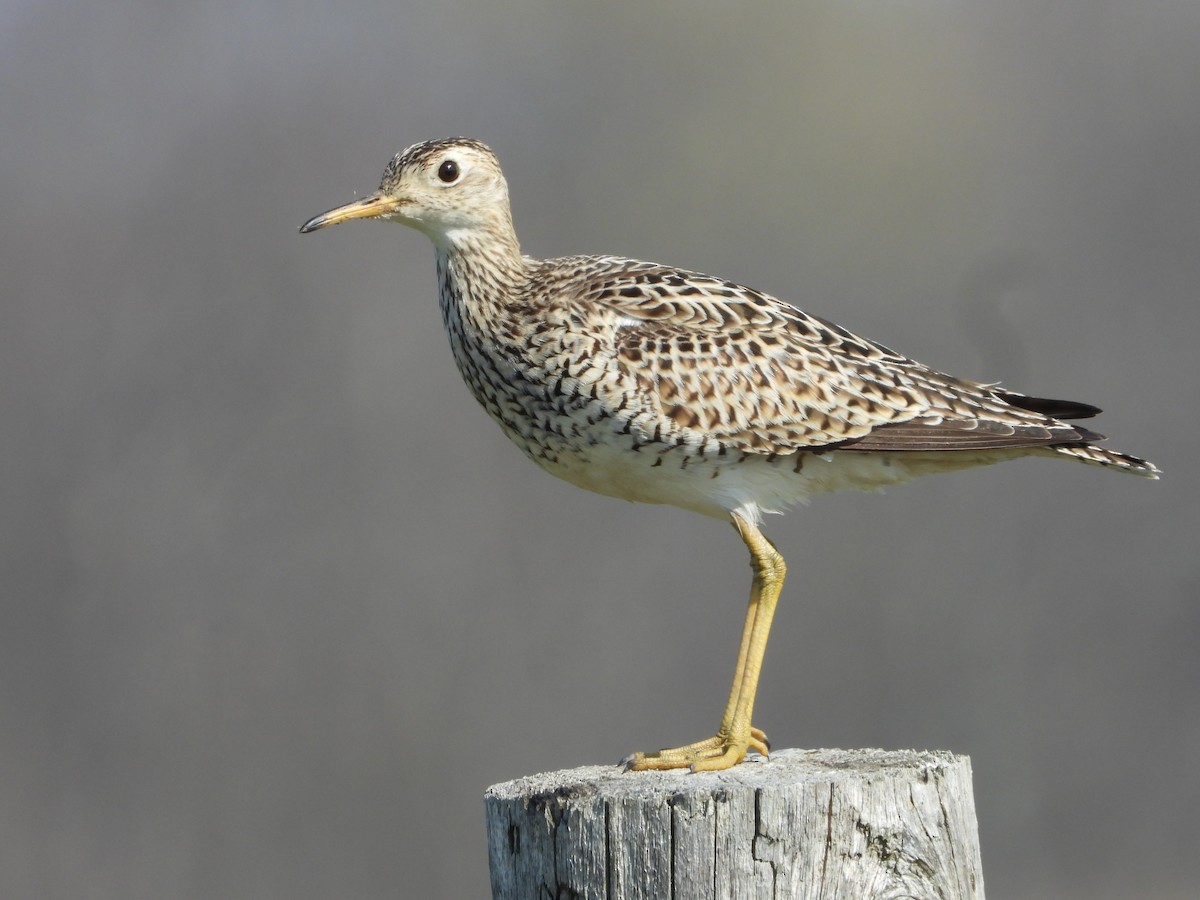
x,y
448,171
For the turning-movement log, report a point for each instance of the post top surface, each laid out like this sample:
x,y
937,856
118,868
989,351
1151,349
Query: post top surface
x,y
784,766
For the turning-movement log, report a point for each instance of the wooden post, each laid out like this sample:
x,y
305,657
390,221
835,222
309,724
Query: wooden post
x,y
831,824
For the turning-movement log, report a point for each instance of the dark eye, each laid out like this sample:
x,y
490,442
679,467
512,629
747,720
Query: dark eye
x,y
448,171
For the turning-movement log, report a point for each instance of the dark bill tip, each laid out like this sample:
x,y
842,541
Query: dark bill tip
x,y
313,224
369,207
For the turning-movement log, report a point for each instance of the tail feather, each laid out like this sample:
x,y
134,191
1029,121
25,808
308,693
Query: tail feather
x,y
1112,459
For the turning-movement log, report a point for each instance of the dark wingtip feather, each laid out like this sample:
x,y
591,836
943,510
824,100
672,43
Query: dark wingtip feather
x,y
1058,409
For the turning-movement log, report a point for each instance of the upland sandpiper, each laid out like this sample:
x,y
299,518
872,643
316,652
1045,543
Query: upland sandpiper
x,y
660,385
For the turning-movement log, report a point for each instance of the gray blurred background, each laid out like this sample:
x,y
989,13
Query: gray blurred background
x,y
279,601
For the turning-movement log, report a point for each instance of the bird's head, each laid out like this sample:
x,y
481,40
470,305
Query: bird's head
x,y
449,189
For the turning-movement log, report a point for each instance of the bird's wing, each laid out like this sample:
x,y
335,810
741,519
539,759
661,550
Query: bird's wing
x,y
716,361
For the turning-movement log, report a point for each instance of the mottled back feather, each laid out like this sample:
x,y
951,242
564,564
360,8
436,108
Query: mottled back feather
x,y
744,368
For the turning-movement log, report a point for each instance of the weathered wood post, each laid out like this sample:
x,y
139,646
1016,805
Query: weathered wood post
x,y
831,824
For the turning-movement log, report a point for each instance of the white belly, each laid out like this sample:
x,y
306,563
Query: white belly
x,y
718,485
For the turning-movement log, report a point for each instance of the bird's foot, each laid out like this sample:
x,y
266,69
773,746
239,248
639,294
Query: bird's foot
x,y
719,752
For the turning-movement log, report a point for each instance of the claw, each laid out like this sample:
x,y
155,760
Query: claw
x,y
716,753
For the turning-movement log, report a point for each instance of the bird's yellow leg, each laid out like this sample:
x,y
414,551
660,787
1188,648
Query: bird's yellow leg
x,y
736,735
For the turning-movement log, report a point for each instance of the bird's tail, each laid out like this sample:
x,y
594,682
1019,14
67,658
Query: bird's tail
x,y
1111,459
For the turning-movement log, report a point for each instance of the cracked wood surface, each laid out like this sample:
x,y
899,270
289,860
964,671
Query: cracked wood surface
x,y
805,824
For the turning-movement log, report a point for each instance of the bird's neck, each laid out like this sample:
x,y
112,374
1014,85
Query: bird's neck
x,y
480,273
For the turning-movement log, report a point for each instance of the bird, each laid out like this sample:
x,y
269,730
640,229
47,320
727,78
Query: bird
x,y
660,385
